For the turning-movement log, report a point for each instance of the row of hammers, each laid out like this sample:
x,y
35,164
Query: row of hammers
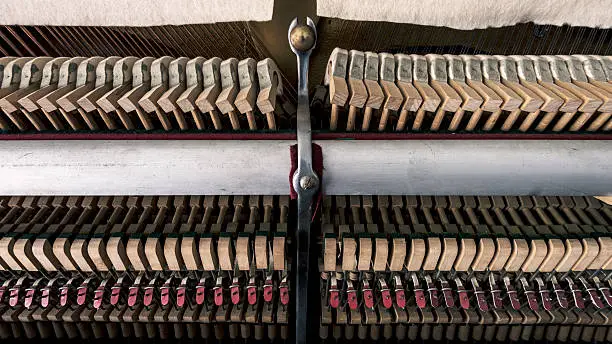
x,y
392,264
129,93
469,92
215,264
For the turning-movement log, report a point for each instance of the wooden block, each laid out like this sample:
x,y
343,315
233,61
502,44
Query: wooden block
x,y
189,251
31,77
492,78
177,83
96,249
606,199
229,85
538,251
527,76
141,84
484,255
225,253
590,250
335,77
431,99
208,254
42,249
439,81
562,78
555,252
606,63
228,72
121,84
243,253
596,73
415,259
194,83
393,95
117,254
573,251
270,85
349,254
471,100
78,252
14,254
607,265
375,93
155,254
509,77
32,72
261,252
159,84
247,77
412,97
473,76
172,253
357,90
11,77
278,252
544,77
211,85
450,249
503,250
520,251
4,61
22,250
434,250
364,257
398,254
85,82
466,255
136,254
48,83
103,82
329,254
605,253
579,77
381,254
66,83
61,250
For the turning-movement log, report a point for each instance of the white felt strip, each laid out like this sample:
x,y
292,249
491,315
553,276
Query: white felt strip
x,y
132,12
472,14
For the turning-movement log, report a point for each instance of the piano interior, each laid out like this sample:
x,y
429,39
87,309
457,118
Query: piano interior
x,y
186,183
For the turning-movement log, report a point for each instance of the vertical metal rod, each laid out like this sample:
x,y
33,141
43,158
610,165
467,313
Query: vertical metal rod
x,y
302,39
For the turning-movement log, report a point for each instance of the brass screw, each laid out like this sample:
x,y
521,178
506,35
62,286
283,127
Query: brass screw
x,y
302,37
308,182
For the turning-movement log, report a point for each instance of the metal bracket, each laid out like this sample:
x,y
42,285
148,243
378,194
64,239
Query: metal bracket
x,y
302,39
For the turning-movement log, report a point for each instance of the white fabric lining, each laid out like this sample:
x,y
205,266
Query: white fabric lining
x,y
472,14
132,12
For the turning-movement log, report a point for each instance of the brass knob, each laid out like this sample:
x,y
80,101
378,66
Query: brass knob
x,y
302,37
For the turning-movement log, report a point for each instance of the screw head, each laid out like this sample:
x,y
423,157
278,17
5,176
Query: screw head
x,y
307,182
302,37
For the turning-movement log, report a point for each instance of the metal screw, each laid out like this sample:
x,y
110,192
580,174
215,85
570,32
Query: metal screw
x,y
307,182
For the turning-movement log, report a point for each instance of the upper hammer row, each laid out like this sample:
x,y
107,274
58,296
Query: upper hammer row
x,y
131,93
412,85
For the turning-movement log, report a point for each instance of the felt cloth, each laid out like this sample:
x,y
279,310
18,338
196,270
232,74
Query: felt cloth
x,y
472,14
132,12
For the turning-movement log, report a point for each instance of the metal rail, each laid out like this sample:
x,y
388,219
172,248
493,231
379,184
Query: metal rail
x,y
432,167
302,39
